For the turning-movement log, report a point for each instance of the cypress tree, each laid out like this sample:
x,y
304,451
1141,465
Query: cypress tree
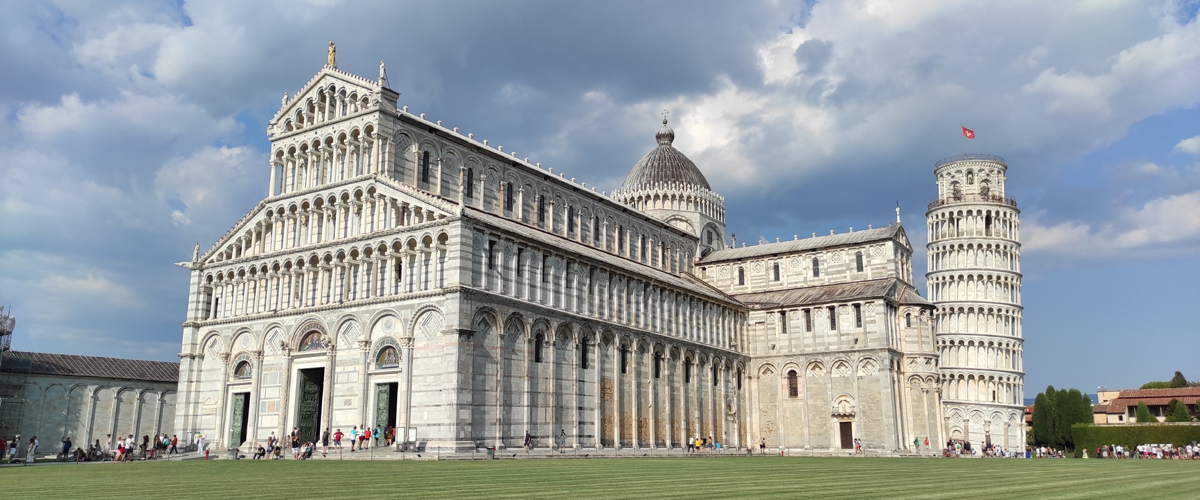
x,y
1043,418
1143,414
1179,412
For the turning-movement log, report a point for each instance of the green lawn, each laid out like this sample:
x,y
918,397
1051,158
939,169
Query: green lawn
x,y
657,478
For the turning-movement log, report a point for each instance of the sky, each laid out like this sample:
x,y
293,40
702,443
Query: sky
x,y
133,129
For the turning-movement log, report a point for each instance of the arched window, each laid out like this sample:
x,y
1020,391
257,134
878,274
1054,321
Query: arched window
x,y
793,384
242,371
583,354
624,359
311,341
970,177
538,343
832,318
741,276
570,220
776,271
470,184
596,229
388,357
858,261
782,321
508,196
425,166
739,379
658,366
908,320
541,209
858,315
687,371
816,268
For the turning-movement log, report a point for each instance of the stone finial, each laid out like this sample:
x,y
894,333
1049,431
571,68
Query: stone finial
x,y
382,75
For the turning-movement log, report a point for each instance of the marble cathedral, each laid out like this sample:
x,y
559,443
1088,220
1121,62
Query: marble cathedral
x,y
402,273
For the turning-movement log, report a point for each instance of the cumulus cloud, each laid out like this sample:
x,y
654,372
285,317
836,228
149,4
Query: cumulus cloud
x,y
1191,145
1162,226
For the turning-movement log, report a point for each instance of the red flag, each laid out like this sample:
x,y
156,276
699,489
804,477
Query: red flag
x,y
968,133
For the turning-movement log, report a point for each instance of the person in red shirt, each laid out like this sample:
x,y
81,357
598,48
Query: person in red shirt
x,y
337,439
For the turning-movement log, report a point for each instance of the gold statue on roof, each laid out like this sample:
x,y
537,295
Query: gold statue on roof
x,y
332,60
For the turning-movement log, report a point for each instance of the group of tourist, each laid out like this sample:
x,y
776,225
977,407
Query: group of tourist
x,y
702,444
1149,451
956,448
9,450
125,449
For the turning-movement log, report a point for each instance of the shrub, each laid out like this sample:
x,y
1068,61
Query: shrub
x,y
1089,436
1156,385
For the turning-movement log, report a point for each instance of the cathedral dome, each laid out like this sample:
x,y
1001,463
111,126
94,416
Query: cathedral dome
x,y
664,166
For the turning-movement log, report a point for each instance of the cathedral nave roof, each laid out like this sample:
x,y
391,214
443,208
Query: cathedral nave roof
x,y
793,246
887,288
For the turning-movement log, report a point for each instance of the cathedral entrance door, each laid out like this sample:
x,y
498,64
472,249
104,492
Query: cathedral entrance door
x,y
385,404
847,431
308,406
238,418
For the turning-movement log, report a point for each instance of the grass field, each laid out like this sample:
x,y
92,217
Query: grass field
x,y
657,478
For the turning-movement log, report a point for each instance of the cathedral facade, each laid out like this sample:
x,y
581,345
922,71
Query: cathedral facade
x,y
401,273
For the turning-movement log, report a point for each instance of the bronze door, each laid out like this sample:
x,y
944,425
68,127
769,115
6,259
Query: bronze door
x,y
308,408
847,429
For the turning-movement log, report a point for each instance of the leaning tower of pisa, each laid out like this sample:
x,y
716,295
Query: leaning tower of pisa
x,y
974,279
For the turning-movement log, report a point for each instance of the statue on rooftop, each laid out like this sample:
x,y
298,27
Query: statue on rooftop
x,y
332,60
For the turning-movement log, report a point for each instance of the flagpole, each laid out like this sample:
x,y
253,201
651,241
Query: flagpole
x,y
961,149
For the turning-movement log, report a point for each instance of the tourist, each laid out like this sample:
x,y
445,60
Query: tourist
x,y
337,439
31,453
762,446
528,440
130,446
201,446
562,441
144,446
324,442
66,448
174,445
295,445
262,452
3,448
13,447
376,435
364,439
119,450
353,438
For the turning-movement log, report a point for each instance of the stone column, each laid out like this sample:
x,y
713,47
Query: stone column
x,y
327,391
406,344
219,439
286,389
634,358
617,410
271,186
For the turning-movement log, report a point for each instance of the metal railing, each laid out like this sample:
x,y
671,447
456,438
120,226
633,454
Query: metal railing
x,y
975,156
1010,201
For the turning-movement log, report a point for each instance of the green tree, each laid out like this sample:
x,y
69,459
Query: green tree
x,y
1178,412
1143,414
1043,418
1159,384
1178,381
